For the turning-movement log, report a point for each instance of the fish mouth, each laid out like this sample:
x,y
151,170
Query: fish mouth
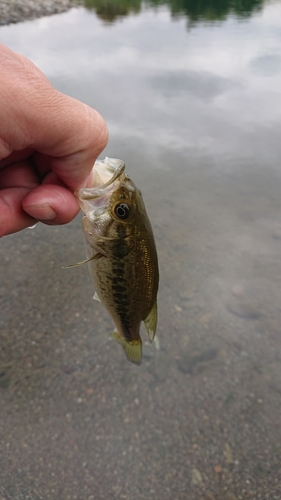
x,y
107,172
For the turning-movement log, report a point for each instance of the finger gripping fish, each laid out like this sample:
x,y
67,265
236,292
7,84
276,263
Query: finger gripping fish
x,y
121,253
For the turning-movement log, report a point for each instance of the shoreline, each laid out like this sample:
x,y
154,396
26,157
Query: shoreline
x,y
15,11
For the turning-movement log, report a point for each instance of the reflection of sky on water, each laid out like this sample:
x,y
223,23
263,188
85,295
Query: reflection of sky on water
x,y
212,87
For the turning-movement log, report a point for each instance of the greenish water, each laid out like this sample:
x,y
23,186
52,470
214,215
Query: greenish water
x,y
190,92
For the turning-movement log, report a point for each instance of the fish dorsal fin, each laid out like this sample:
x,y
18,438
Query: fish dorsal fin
x,y
132,348
95,256
150,322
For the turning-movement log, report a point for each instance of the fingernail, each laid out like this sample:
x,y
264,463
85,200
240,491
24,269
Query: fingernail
x,y
41,212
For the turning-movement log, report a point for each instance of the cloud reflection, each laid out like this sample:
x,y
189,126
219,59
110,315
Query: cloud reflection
x,y
214,89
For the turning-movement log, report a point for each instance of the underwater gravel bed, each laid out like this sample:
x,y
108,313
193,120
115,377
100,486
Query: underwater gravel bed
x,y
14,11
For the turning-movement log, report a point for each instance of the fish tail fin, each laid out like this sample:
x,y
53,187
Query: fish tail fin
x,y
132,348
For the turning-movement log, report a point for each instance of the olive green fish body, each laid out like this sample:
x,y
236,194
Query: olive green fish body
x,y
122,255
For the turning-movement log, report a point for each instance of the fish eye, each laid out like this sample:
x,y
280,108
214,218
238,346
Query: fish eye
x,y
122,211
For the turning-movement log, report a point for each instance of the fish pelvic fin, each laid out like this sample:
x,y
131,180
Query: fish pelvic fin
x,y
150,322
96,297
132,348
94,257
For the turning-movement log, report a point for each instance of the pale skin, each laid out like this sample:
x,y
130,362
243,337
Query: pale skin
x,y
48,145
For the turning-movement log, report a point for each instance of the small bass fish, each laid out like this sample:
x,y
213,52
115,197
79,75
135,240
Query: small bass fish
x,y
121,253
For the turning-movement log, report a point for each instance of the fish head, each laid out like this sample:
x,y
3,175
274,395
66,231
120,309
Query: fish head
x,y
114,203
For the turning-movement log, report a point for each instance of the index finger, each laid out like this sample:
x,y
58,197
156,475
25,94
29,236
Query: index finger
x,y
67,134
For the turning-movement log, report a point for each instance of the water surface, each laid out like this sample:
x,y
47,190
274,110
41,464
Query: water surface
x,y
192,100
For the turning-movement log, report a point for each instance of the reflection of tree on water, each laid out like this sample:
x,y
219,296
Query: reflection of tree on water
x,y
195,10
109,10
210,10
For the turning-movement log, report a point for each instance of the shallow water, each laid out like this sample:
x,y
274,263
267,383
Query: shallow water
x,y
192,103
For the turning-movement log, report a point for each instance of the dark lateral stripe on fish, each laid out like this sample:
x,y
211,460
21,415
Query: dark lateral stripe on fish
x,y
126,332
121,300
117,288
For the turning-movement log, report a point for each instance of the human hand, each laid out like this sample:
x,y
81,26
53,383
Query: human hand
x,y
48,145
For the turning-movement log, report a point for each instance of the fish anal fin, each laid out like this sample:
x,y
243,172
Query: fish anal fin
x,y
132,348
150,322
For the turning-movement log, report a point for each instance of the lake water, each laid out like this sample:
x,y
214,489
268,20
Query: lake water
x,y
192,98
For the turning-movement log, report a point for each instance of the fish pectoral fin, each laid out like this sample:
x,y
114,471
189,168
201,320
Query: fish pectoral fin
x,y
132,348
94,257
150,322
96,297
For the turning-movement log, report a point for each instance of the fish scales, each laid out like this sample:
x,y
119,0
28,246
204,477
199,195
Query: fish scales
x,y
120,282
121,253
